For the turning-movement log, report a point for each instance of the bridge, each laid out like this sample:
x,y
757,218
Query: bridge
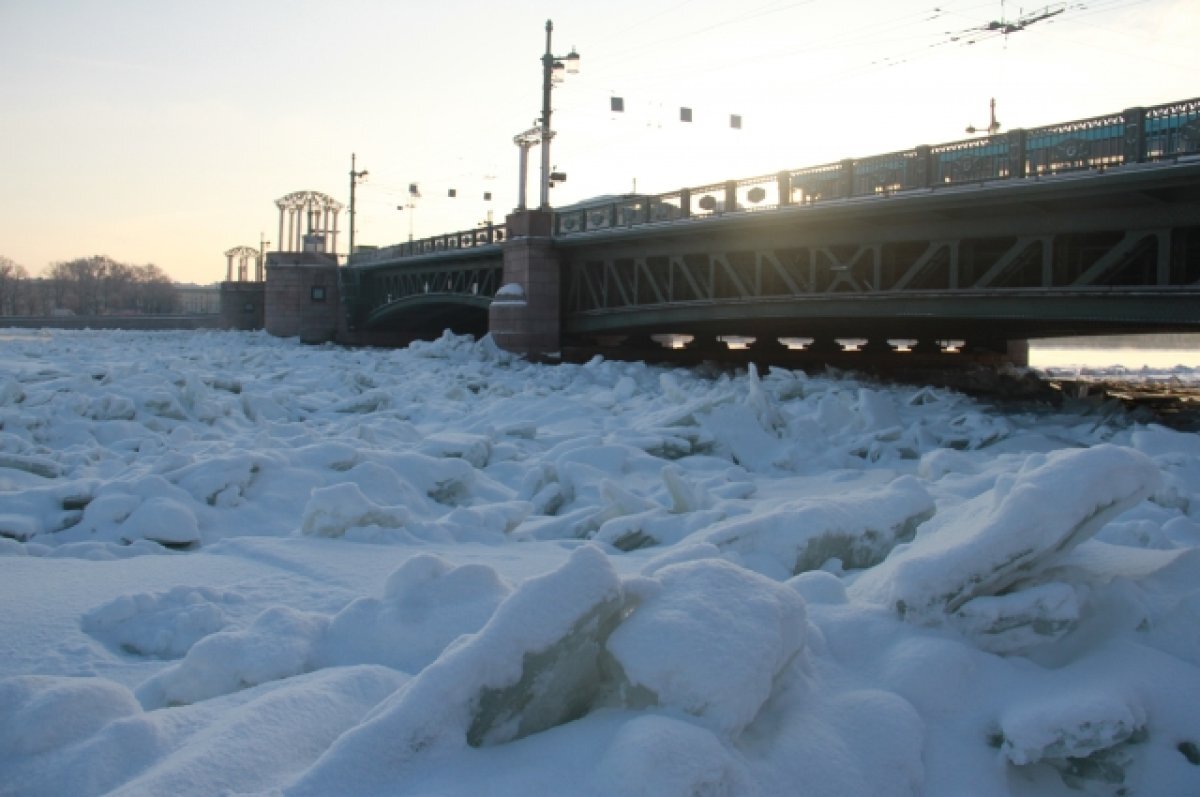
x,y
1084,227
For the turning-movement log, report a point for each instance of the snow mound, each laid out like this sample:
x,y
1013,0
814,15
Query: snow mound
x,y
163,625
427,604
93,739
660,756
278,644
39,713
711,641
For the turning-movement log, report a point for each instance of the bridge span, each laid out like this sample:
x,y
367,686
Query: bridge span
x,y
1084,227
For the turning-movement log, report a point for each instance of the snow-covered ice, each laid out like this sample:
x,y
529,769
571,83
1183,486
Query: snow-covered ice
x,y
233,564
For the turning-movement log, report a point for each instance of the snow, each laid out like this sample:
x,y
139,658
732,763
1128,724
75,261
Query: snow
x,y
233,564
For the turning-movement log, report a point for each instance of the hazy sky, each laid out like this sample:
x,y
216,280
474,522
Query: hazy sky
x,y
163,131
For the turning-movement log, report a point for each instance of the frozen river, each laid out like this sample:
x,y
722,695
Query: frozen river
x,y
232,564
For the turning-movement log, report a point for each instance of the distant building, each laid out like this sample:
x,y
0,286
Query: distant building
x,y
199,299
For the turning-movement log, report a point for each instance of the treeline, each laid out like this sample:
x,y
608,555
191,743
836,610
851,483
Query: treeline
x,y
95,285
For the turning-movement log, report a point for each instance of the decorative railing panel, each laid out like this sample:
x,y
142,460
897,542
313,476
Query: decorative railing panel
x,y
1085,144
757,193
709,200
970,161
882,174
818,183
1172,130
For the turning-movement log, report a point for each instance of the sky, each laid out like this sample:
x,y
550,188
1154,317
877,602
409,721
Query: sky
x,y
162,131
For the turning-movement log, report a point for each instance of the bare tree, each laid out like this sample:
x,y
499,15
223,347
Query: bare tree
x,y
12,279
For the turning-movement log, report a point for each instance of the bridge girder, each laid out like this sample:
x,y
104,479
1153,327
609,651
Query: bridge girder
x,y
998,315
1078,255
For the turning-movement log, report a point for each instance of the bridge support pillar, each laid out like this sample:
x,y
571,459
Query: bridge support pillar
x,y
524,318
1018,353
301,296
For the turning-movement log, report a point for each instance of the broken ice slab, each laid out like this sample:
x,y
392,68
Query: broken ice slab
x,y
994,541
38,466
858,528
534,665
1020,620
1071,723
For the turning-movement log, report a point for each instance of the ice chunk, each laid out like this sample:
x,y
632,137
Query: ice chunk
x,y
474,448
685,497
712,641
38,466
759,402
1071,723
331,511
654,527
1020,620
162,520
19,527
536,664
737,428
999,538
858,528
10,392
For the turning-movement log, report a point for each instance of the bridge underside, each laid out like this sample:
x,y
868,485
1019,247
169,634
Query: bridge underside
x,y
420,297
984,318
1088,255
427,316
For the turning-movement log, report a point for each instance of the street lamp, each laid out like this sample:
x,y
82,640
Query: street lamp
x,y
553,69
993,126
354,178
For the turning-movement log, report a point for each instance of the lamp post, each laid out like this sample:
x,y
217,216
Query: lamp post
x,y
993,126
354,178
553,67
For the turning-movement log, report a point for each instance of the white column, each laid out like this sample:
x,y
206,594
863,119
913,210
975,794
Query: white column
x,y
279,240
285,245
229,268
333,249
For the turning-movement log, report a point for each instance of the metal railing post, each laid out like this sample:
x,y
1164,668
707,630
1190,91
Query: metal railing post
x,y
1135,135
847,186
1016,153
784,181
922,167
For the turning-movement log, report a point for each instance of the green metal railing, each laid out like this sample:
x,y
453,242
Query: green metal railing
x,y
1135,135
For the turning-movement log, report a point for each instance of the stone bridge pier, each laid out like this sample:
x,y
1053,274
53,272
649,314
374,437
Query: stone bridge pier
x,y
525,316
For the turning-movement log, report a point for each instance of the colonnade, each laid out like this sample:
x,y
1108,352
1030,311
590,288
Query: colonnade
x,y
244,255
304,213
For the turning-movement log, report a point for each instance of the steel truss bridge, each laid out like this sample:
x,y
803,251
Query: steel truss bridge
x,y
1084,227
